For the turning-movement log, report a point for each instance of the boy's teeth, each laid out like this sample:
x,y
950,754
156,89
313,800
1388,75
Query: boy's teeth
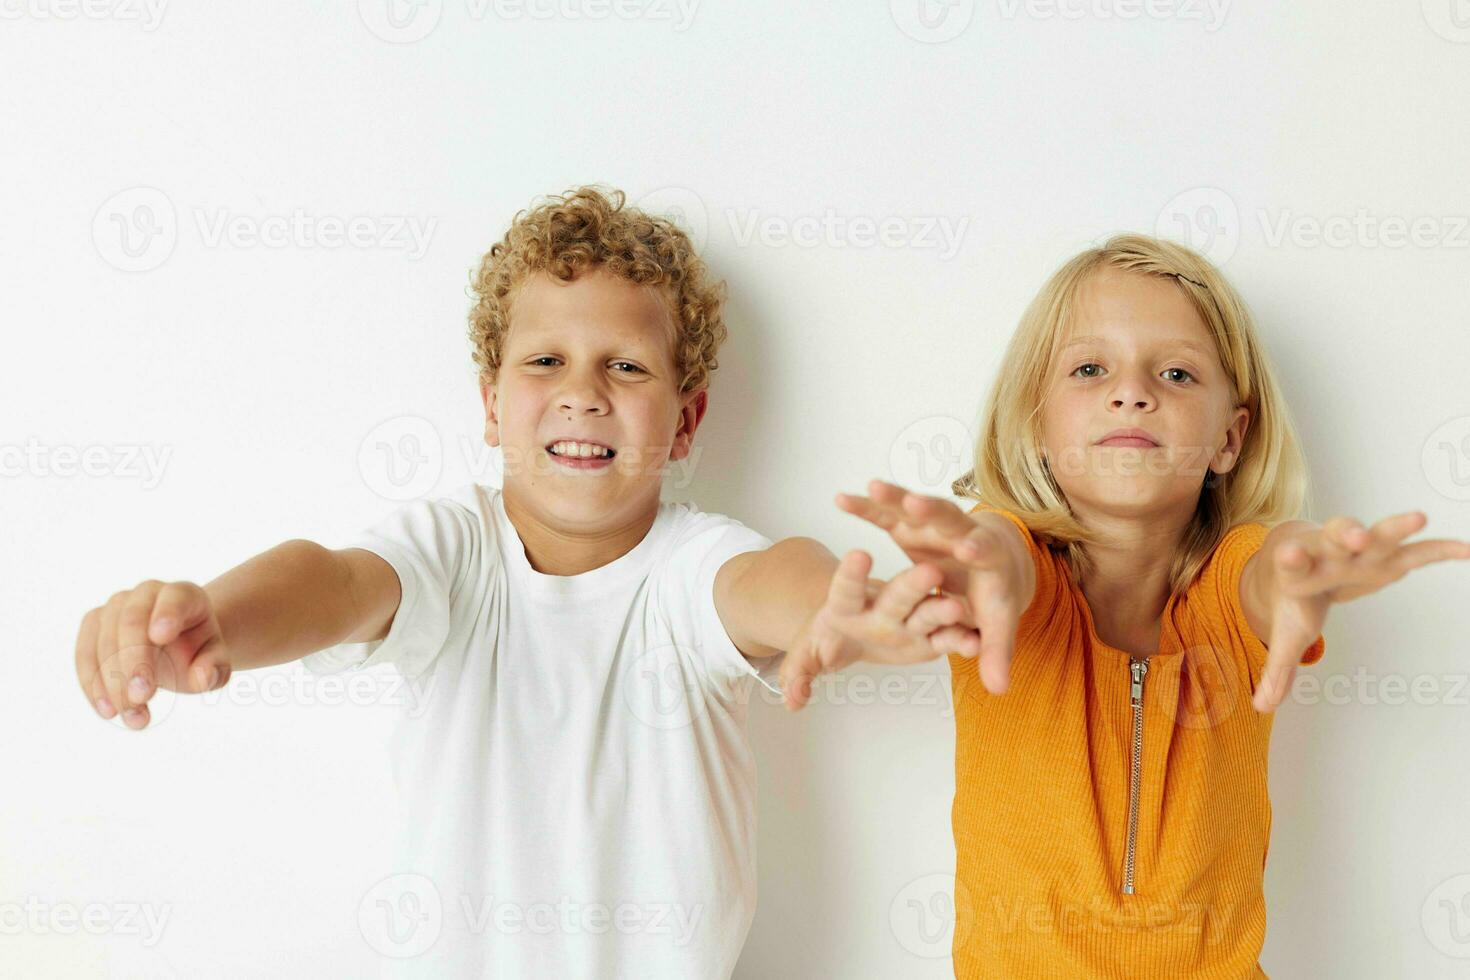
x,y
580,450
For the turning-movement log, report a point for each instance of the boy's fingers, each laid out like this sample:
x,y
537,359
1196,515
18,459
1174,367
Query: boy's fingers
x,y
209,669
906,590
113,681
86,659
797,673
134,653
847,594
179,606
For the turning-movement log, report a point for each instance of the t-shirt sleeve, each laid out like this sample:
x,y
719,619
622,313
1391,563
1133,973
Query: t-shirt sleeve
x,y
1220,583
689,589
429,544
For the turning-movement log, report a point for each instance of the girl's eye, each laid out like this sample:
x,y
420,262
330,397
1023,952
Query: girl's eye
x,y
1091,364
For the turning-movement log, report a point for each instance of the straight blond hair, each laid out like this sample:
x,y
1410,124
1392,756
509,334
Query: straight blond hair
x,y
1269,482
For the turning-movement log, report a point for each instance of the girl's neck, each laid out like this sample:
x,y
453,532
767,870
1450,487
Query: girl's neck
x,y
1128,586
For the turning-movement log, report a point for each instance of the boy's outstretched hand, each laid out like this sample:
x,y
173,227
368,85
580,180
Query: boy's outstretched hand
x,y
156,635
1312,567
868,620
982,558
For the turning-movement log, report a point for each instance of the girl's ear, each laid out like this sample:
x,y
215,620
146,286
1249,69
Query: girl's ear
x,y
1229,454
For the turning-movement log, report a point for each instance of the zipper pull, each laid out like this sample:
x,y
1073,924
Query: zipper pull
x,y
1138,668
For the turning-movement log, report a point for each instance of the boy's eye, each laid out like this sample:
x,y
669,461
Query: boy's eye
x,y
539,361
627,364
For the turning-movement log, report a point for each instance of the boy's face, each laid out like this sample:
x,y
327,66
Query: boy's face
x,y
589,361
1140,357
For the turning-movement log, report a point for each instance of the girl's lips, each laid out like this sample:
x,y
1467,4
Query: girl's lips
x,y
1129,441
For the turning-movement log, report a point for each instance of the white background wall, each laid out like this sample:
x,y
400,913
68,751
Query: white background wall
x,y
254,374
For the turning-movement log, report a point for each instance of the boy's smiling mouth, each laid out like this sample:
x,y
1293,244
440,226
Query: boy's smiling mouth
x,y
581,454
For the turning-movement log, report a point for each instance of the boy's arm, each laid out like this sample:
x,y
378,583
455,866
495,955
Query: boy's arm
x,y
284,603
300,597
765,598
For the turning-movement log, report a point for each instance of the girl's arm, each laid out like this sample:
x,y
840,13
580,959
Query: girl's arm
x,y
1303,569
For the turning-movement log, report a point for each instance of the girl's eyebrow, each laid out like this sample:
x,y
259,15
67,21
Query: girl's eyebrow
x,y
1180,342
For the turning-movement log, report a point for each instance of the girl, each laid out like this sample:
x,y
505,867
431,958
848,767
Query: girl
x,y
1111,817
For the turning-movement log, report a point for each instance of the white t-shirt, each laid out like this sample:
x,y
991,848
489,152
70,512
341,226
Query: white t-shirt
x,y
577,790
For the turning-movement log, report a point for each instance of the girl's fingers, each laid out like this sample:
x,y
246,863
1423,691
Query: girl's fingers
x,y
933,613
956,639
907,589
1421,553
874,513
1394,529
939,514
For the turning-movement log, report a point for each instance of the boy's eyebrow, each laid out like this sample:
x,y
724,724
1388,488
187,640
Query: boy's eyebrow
x,y
1186,344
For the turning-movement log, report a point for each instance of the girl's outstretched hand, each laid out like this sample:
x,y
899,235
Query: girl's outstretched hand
x,y
1337,562
984,561
867,619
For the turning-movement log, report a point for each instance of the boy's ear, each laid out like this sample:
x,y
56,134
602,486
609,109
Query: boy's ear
x,y
492,416
691,413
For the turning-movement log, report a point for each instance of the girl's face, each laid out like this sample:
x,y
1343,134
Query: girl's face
x,y
1139,357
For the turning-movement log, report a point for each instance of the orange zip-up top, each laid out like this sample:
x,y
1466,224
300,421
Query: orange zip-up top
x,y
1111,816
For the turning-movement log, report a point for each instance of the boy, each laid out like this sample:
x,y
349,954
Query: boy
x,y
578,791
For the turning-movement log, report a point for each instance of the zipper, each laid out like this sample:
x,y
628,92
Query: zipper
x,y
1137,669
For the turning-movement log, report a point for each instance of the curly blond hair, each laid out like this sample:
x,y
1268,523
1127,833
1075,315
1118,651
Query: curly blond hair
x,y
567,234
